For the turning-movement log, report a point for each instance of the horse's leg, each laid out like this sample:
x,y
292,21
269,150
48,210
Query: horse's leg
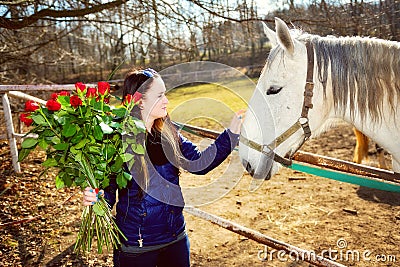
x,y
381,157
395,165
361,149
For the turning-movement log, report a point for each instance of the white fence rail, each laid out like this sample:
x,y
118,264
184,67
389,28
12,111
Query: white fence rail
x,y
10,130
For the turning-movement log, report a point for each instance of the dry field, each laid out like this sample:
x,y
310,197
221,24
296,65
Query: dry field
x,y
308,212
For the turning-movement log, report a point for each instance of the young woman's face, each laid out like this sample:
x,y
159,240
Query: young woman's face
x,y
155,102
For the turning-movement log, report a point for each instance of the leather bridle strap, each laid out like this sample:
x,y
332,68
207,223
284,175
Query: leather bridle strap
x,y
301,123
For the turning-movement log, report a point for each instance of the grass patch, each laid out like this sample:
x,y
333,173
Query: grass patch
x,y
209,105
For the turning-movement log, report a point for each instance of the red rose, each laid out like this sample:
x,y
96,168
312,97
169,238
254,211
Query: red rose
x,y
136,97
128,99
75,101
103,87
24,118
54,96
53,105
64,93
31,105
91,92
80,87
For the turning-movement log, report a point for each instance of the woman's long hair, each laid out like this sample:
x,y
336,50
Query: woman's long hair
x,y
137,80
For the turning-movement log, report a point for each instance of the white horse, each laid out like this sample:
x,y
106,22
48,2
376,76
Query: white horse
x,y
310,81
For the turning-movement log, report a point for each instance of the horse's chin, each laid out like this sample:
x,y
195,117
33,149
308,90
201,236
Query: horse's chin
x,y
262,176
263,170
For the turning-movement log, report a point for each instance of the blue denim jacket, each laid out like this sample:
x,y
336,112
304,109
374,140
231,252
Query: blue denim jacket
x,y
157,217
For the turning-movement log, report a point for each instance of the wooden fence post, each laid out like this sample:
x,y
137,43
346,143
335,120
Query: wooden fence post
x,y
10,133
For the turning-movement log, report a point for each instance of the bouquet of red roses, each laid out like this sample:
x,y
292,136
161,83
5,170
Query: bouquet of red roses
x,y
82,136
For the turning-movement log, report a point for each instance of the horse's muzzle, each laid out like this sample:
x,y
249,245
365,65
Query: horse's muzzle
x,y
251,170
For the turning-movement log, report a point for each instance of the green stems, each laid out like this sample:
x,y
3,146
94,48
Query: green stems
x,y
103,226
96,220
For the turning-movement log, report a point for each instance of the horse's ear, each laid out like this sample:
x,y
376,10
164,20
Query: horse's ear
x,y
284,38
271,35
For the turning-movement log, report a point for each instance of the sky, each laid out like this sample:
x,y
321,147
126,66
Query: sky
x,y
265,6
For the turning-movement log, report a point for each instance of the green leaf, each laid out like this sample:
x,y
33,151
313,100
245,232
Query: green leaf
x,y
48,133
59,182
23,153
102,166
115,125
62,117
130,164
99,175
120,112
64,100
55,140
50,162
94,149
73,150
39,119
127,157
121,181
98,133
43,144
105,128
109,151
117,164
130,141
69,130
98,210
77,138
67,177
106,182
127,176
29,142
61,146
80,180
92,139
106,108
81,144
97,106
78,156
139,149
106,119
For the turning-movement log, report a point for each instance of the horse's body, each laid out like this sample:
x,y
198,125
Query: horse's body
x,y
355,79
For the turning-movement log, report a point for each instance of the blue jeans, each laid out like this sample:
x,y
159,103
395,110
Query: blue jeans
x,y
175,255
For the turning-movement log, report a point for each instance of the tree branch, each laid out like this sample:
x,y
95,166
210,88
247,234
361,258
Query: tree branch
x,y
15,24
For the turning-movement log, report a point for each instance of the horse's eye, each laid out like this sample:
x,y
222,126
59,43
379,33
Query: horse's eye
x,y
274,90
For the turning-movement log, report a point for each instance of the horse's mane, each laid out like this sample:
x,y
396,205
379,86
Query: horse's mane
x,y
365,72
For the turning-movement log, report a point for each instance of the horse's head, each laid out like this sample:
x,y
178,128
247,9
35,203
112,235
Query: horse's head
x,y
276,105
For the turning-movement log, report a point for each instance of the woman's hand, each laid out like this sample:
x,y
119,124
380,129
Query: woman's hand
x,y
90,197
236,122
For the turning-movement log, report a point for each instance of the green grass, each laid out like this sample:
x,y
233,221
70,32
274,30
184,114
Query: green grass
x,y
209,105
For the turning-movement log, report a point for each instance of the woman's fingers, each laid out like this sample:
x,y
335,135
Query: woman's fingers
x,y
236,122
90,197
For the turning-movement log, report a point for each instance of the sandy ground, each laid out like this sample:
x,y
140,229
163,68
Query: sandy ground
x,y
359,226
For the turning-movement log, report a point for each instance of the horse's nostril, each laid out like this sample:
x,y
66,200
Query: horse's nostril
x,y
249,169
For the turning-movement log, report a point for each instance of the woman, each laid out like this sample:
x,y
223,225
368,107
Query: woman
x,y
149,209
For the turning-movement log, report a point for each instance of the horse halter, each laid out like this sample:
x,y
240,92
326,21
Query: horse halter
x,y
301,123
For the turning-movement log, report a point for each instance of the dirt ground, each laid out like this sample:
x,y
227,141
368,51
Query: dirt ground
x,y
358,226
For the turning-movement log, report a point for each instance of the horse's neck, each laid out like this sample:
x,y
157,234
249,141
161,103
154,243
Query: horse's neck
x,y
385,132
